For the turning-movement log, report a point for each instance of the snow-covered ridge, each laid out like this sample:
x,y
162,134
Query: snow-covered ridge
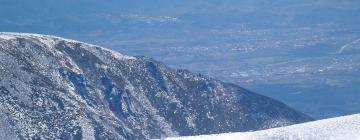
x,y
340,128
55,88
50,40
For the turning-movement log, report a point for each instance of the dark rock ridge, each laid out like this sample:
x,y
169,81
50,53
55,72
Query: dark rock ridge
x,y
55,88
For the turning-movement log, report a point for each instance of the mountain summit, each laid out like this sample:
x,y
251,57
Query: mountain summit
x,y
55,88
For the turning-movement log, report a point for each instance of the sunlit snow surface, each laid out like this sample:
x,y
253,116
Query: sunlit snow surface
x,y
340,128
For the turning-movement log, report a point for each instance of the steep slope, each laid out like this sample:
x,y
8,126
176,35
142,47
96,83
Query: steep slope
x,y
340,128
58,88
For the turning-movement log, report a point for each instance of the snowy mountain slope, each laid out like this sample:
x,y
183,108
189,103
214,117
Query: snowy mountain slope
x,y
52,88
340,128
275,47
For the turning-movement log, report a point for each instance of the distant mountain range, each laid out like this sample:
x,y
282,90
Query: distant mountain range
x,y
55,88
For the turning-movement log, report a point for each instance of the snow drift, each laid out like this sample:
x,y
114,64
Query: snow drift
x,y
340,128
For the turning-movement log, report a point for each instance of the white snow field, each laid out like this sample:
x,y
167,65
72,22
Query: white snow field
x,y
340,128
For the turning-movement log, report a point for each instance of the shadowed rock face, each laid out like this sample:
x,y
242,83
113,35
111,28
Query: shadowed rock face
x,y
57,88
